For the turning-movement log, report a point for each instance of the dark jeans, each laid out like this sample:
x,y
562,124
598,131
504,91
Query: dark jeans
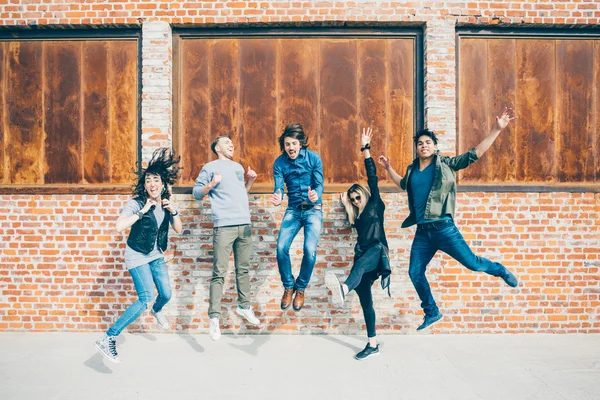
x,y
361,279
444,236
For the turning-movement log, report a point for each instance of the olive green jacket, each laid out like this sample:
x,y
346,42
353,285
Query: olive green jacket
x,y
442,197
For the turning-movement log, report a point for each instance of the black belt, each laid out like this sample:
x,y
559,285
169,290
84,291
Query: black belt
x,y
431,226
310,206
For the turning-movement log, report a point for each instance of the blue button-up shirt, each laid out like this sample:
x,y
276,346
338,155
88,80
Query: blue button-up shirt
x,y
299,174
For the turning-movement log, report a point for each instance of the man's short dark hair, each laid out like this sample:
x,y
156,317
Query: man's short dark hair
x,y
426,132
216,141
294,131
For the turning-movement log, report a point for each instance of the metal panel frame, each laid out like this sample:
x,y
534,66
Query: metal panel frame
x,y
522,32
409,31
40,33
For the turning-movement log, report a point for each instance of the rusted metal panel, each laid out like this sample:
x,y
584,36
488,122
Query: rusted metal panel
x,y
96,130
575,111
224,84
2,122
502,164
596,126
401,102
195,105
339,113
258,105
24,114
372,99
474,112
255,87
298,92
62,121
536,100
122,95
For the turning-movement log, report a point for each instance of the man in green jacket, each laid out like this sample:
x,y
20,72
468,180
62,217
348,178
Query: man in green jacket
x,y
431,185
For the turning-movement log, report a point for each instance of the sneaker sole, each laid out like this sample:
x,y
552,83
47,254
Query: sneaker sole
x,y
364,358
107,356
332,283
432,325
237,311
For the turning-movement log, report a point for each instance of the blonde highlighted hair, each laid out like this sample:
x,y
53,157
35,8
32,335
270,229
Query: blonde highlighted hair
x,y
352,211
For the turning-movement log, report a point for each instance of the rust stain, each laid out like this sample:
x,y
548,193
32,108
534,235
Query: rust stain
x,y
96,131
24,117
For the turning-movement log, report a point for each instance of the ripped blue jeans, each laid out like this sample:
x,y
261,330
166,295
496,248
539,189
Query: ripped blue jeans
x,y
144,278
293,220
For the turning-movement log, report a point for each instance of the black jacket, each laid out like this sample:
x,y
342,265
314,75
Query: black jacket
x,y
369,226
145,232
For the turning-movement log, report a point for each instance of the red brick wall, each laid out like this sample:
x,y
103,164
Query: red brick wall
x,y
61,267
61,263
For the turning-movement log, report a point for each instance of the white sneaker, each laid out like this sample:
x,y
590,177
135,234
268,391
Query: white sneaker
x,y
107,346
337,293
248,315
215,331
161,319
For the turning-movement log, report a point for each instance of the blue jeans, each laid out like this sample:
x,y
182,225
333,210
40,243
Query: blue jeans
x,y
293,220
144,278
445,237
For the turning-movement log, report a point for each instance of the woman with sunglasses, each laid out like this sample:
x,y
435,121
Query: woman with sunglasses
x,y
365,210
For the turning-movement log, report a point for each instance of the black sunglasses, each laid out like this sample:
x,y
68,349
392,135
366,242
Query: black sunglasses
x,y
353,199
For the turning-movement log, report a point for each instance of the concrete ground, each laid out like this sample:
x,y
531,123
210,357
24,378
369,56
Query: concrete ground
x,y
178,366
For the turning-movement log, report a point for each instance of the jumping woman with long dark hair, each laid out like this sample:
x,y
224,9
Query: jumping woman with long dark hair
x,y
365,210
149,214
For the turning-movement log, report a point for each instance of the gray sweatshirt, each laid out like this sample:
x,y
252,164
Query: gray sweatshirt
x,y
229,199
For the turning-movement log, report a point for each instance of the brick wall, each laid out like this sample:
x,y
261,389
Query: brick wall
x,y
61,263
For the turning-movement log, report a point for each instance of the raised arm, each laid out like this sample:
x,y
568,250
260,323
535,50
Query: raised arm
x,y
385,163
501,122
370,167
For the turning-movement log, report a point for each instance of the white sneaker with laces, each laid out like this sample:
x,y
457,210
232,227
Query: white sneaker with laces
x,y
107,346
161,319
215,331
248,315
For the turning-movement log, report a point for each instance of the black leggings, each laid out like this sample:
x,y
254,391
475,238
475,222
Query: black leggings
x,y
361,278
366,302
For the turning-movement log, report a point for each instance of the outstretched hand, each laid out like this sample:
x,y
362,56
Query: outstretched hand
x,y
507,115
384,162
366,136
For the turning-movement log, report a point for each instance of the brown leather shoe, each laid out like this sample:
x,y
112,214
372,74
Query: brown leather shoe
x,y
299,300
286,299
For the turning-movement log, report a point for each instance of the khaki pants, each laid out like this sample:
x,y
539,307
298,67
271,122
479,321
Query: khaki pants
x,y
238,239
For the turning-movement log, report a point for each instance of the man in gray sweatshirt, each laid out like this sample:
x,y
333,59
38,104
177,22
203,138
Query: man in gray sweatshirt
x,y
225,182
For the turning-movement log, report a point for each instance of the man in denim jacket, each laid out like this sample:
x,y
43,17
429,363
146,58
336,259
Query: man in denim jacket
x,y
431,185
302,172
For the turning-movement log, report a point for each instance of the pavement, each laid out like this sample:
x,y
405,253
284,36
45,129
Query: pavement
x,y
311,367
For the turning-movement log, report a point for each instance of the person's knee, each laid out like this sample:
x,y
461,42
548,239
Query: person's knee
x,y
416,274
283,249
166,294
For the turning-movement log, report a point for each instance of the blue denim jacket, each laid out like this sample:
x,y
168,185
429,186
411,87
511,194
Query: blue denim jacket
x,y
299,174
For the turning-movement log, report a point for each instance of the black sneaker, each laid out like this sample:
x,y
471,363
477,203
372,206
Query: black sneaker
x,y
510,278
367,352
429,321
107,346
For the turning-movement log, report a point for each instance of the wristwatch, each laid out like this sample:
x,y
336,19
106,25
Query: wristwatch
x,y
176,213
